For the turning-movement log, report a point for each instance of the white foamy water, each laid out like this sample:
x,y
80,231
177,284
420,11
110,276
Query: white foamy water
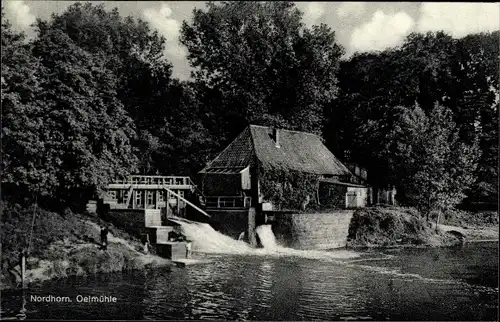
x,y
208,240
266,237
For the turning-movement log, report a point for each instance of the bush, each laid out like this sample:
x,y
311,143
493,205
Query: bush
x,y
390,226
469,218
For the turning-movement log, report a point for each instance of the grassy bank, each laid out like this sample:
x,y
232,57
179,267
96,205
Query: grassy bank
x,y
467,219
480,225
63,245
395,226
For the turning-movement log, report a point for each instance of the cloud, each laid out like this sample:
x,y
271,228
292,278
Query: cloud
x,y
22,18
350,8
459,19
313,11
382,31
168,27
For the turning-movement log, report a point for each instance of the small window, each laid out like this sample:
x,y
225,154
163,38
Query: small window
x,y
150,197
138,197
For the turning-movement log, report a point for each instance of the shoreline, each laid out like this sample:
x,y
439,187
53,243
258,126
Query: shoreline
x,y
65,258
423,246
77,252
47,272
41,275
404,227
484,240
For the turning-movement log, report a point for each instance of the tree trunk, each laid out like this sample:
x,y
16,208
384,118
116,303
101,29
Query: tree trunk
x,y
428,208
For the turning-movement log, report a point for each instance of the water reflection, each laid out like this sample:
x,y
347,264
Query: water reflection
x,y
409,285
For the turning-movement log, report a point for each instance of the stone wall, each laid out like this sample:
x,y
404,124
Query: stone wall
x,y
158,234
173,251
152,217
313,230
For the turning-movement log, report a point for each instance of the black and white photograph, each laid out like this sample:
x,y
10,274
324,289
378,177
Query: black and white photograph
x,y
249,160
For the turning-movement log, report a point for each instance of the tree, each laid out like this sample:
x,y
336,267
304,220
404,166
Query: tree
x,y
439,167
459,74
477,109
133,53
85,130
254,59
22,145
170,136
184,145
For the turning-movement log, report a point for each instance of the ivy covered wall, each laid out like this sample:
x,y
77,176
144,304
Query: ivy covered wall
x,y
288,189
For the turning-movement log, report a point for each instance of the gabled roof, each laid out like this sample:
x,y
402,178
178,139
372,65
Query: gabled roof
x,y
238,155
298,151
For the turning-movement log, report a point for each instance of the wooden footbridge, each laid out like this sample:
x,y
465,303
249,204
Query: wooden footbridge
x,y
152,192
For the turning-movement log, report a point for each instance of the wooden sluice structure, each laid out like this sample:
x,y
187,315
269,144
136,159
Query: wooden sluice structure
x,y
149,192
144,203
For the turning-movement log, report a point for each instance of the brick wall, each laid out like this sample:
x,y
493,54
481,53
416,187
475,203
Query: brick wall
x,y
313,230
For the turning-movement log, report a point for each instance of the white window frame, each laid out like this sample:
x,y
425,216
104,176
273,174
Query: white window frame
x,y
150,198
138,197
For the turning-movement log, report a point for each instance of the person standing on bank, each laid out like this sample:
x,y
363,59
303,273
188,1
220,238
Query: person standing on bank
x,y
104,237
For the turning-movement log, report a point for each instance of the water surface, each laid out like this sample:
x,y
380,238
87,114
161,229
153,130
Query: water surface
x,y
391,284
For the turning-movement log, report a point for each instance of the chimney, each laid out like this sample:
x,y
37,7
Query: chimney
x,y
276,137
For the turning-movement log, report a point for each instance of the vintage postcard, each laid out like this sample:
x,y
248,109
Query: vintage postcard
x,y
249,160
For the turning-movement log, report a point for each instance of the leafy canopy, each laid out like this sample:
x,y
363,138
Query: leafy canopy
x,y
256,62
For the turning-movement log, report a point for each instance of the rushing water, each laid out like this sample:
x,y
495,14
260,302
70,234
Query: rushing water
x,y
285,284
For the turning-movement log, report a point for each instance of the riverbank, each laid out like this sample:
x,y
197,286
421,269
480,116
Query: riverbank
x,y
398,226
65,245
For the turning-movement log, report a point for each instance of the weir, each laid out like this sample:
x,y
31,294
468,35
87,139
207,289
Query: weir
x,y
313,230
208,240
266,237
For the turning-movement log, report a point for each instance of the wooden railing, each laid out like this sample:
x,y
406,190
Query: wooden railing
x,y
158,180
228,202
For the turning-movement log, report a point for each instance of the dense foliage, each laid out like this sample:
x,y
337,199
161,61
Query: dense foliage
x,y
288,189
92,97
379,89
438,166
256,62
376,227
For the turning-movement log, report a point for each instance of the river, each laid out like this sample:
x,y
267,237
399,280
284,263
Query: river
x,y
390,284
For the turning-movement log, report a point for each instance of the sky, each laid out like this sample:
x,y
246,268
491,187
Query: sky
x,y
358,26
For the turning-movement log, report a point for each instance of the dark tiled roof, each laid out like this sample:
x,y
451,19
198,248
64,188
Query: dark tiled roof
x,y
298,151
224,170
237,155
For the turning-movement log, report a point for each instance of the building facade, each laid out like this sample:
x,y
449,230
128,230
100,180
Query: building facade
x,y
232,180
